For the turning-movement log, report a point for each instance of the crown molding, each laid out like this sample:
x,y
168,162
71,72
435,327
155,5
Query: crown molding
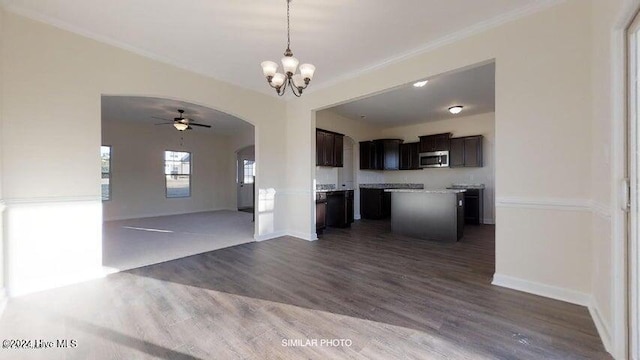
x,y
426,47
445,40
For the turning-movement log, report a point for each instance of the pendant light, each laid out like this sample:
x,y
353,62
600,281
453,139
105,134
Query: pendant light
x,y
280,81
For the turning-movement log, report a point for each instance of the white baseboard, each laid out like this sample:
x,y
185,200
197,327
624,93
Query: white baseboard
x,y
273,235
4,298
553,292
277,234
601,326
357,217
300,235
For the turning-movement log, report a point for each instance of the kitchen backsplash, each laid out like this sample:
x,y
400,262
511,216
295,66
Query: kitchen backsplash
x,y
325,186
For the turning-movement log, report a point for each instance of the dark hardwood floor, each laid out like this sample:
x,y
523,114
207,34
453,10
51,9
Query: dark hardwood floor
x,y
392,297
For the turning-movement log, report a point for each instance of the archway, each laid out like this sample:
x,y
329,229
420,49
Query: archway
x,y
168,180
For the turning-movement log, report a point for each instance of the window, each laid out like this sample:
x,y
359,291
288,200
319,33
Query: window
x,y
177,173
249,171
105,182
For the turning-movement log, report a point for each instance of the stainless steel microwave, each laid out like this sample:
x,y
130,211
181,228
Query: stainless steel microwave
x,y
434,159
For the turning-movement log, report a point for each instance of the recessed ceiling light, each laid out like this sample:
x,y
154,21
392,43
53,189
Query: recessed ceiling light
x,y
420,83
455,109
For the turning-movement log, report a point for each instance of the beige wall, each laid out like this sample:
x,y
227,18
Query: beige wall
x,y
483,124
137,170
52,86
543,137
2,262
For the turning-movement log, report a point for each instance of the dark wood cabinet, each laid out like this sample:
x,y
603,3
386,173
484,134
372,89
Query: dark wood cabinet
x,y
321,212
473,151
390,149
456,153
319,148
409,156
338,150
340,208
367,155
474,206
382,154
466,151
329,148
437,142
375,204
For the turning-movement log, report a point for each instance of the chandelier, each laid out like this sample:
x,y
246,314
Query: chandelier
x,y
279,81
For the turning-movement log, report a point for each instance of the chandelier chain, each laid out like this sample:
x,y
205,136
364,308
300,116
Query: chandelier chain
x,y
288,27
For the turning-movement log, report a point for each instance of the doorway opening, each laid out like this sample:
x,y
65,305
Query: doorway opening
x,y
391,137
246,191
168,180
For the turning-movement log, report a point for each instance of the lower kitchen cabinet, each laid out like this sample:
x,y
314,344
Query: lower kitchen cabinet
x,y
474,206
375,204
340,208
321,212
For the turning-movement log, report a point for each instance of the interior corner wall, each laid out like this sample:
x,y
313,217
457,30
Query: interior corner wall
x,y
609,20
52,85
137,170
543,139
482,124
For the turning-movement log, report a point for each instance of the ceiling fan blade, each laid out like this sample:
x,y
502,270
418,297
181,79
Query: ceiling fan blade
x,y
167,123
201,125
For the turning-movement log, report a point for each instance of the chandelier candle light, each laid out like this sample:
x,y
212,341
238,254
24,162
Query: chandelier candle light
x,y
279,81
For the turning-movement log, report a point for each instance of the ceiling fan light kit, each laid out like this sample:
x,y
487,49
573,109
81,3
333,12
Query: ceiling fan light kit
x,y
456,109
280,81
181,123
180,126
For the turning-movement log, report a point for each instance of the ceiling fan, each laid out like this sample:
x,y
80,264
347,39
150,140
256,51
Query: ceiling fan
x,y
181,123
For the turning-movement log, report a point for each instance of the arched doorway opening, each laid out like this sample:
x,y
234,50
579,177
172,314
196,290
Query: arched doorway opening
x,y
168,180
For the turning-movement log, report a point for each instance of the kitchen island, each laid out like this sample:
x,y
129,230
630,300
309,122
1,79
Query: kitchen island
x,y
428,214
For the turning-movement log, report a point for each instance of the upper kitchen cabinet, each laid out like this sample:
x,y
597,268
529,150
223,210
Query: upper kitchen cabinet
x,y
367,155
388,154
409,156
466,151
338,150
438,142
329,148
382,154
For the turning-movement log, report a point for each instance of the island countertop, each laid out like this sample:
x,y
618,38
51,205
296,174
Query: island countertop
x,y
428,191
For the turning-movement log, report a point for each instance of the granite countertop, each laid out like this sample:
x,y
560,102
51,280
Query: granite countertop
x,y
428,191
466,186
332,190
391,186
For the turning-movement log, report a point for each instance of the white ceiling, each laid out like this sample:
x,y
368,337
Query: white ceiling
x,y
228,39
472,88
142,110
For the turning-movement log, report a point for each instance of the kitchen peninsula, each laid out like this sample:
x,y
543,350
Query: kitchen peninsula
x,y
428,214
